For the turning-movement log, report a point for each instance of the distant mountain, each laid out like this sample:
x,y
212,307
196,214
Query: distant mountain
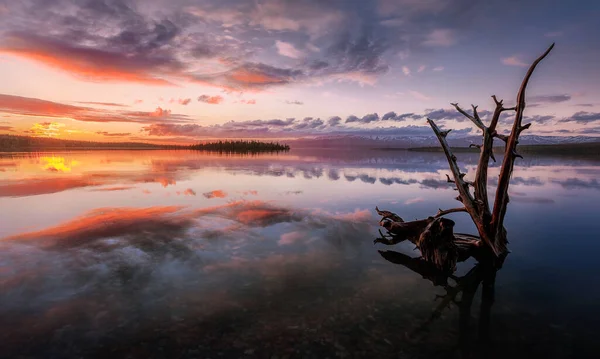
x,y
358,141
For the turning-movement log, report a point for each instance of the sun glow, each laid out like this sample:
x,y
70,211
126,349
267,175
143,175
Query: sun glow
x,y
58,164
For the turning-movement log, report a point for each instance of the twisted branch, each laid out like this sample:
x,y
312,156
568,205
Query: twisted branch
x,y
510,153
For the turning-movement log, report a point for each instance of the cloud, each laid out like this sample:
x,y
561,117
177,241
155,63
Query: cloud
x,y
290,238
7,128
110,104
414,200
334,121
33,187
438,68
294,102
392,116
513,61
576,183
435,183
189,192
213,100
184,101
287,49
112,189
91,64
215,194
103,223
248,102
539,118
406,70
27,106
45,129
550,98
111,134
212,43
373,117
251,76
441,37
582,117
421,68
419,96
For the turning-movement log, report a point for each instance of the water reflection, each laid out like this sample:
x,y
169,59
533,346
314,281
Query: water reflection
x,y
461,295
181,254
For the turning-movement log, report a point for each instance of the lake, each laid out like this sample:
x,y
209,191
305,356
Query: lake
x,y
195,255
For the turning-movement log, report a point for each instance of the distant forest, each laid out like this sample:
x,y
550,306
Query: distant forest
x,y
241,146
12,143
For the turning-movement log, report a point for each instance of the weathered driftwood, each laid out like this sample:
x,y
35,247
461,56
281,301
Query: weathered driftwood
x,y
434,236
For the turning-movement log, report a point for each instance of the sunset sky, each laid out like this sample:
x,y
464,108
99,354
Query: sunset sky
x,y
189,70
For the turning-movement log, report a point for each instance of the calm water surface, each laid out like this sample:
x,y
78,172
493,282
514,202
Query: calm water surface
x,y
183,254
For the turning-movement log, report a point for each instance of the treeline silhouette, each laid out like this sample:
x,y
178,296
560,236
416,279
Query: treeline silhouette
x,y
28,143
14,143
241,146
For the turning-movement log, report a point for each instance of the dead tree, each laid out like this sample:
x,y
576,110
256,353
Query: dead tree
x,y
489,220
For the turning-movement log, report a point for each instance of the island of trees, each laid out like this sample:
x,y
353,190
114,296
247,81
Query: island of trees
x,y
13,143
241,146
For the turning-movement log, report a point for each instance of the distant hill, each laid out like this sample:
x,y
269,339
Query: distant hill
x,y
406,141
11,143
28,143
591,149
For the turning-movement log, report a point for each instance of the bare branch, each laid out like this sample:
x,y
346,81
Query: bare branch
x,y
502,137
448,211
498,103
461,186
476,115
475,119
498,243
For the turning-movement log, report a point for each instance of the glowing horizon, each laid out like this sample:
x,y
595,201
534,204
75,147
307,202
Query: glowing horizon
x,y
116,71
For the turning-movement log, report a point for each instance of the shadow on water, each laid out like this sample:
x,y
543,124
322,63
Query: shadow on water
x,y
461,294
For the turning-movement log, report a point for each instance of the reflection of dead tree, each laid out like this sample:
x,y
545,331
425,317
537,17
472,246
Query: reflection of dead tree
x,y
433,236
465,285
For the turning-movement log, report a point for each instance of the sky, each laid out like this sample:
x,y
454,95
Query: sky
x,y
182,71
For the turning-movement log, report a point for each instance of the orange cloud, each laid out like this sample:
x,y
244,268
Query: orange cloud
x,y
111,134
111,189
33,187
105,222
86,63
215,194
213,100
165,181
189,192
27,106
46,129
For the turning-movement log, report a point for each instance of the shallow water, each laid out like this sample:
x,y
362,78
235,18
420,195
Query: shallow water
x,y
184,254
